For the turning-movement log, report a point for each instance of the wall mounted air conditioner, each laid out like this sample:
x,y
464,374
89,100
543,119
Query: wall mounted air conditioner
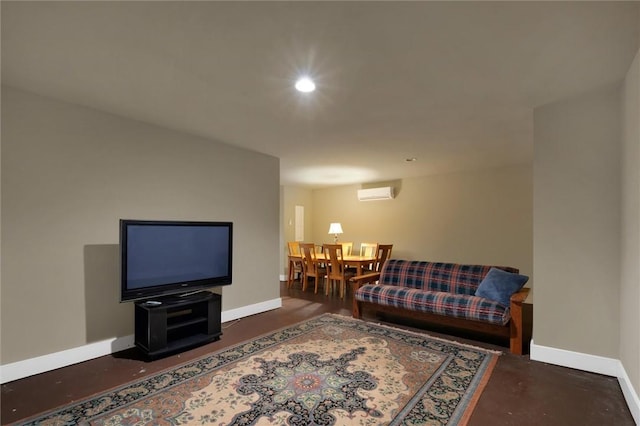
x,y
370,194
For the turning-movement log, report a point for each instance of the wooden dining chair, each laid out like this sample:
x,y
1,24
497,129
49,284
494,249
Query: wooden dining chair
x,y
347,248
336,271
295,262
383,253
311,266
368,249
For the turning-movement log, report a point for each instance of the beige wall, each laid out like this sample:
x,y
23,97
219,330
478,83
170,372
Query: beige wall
x,y
630,271
576,211
476,217
69,173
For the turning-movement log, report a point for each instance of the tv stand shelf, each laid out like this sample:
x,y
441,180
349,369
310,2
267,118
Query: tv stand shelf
x,y
177,323
185,323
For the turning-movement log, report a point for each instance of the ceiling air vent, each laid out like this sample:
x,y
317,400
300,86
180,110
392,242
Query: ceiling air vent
x,y
370,194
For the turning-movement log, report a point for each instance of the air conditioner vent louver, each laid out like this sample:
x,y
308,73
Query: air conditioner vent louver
x,y
371,194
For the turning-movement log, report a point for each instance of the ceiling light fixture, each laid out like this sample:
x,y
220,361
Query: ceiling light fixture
x,y
305,85
410,160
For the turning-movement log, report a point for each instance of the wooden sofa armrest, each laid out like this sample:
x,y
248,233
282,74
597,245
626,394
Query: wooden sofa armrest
x,y
516,333
520,295
356,283
359,280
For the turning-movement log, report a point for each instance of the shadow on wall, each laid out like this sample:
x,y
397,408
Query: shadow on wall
x,y
106,317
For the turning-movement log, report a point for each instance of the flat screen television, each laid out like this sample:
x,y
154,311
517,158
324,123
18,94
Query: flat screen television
x,y
162,258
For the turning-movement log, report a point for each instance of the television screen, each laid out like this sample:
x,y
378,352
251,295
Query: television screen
x,y
160,258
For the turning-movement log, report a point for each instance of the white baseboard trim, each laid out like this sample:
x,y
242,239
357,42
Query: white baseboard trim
x,y
41,364
577,360
283,277
256,308
594,364
630,394
29,367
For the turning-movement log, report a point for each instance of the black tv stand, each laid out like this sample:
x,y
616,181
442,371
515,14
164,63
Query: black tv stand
x,y
177,323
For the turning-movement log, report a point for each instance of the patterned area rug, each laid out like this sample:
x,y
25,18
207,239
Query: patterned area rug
x,y
330,370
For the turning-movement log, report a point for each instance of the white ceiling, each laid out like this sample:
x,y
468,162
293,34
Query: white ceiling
x,y
453,84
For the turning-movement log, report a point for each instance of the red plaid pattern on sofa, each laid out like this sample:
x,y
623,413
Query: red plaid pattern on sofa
x,y
436,302
436,276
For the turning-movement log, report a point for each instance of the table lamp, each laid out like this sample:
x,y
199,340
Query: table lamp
x,y
335,229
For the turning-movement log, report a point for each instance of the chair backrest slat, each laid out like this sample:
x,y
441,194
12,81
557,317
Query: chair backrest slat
x,y
382,255
335,261
309,258
368,249
347,248
294,248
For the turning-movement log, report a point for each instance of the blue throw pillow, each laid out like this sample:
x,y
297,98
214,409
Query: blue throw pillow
x,y
499,285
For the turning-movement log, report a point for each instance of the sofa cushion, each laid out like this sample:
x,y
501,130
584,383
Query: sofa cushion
x,y
435,276
435,302
499,285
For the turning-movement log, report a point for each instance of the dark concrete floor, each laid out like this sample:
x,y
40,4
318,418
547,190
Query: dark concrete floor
x,y
520,391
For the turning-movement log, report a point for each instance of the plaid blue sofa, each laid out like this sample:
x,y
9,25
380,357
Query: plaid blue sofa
x,y
443,292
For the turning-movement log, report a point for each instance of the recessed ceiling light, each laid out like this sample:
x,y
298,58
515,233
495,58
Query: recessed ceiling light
x,y
305,85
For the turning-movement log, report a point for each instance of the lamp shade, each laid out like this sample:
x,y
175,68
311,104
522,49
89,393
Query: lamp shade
x,y
335,228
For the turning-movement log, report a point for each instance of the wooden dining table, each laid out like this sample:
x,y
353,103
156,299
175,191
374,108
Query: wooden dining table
x,y
357,261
